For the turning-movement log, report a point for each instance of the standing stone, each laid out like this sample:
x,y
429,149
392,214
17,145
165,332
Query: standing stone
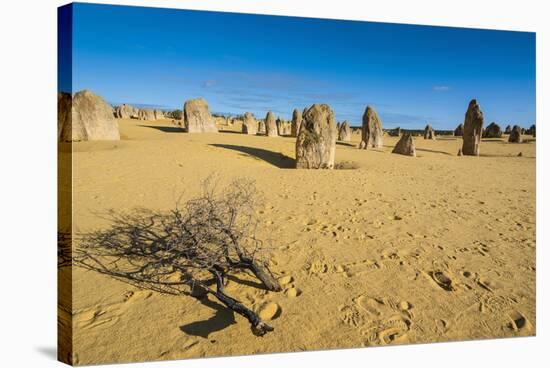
x,y
515,135
197,118
429,132
522,130
146,114
344,133
288,128
270,125
492,131
459,131
296,123
280,126
316,142
91,118
371,130
250,126
532,130
405,146
473,125
261,127
508,129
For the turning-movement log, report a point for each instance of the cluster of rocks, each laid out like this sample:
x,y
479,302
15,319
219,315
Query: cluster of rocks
x,y
85,117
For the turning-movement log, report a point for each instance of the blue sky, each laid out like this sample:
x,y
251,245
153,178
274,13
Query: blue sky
x,y
412,75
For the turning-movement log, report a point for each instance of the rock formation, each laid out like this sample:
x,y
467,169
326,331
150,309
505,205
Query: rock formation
x,y
473,125
86,118
250,125
125,111
508,129
405,146
395,132
270,125
344,132
532,130
371,130
280,126
316,142
261,127
429,132
146,114
492,131
197,118
296,123
515,135
459,131
159,114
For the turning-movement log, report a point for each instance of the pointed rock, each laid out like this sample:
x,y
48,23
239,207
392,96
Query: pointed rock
x,y
405,146
473,125
296,122
371,130
344,132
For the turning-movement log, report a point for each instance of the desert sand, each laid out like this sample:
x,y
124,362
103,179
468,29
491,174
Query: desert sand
x,y
395,250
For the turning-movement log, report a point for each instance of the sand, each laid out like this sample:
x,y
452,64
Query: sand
x,y
398,250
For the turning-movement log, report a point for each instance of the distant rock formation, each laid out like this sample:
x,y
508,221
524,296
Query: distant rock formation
x,y
508,129
316,142
270,125
532,130
429,132
125,111
405,146
159,114
459,131
395,132
146,114
473,125
371,130
522,130
296,123
85,117
344,132
492,131
197,118
250,125
515,135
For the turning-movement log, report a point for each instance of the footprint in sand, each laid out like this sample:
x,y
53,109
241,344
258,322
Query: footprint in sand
x,y
269,311
442,280
518,323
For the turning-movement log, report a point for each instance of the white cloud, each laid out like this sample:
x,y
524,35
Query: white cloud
x,y
441,88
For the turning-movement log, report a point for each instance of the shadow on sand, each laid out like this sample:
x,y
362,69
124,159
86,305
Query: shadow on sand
x,y
274,158
165,129
434,151
345,144
223,318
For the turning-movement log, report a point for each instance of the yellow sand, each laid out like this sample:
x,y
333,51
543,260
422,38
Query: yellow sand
x,y
399,250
